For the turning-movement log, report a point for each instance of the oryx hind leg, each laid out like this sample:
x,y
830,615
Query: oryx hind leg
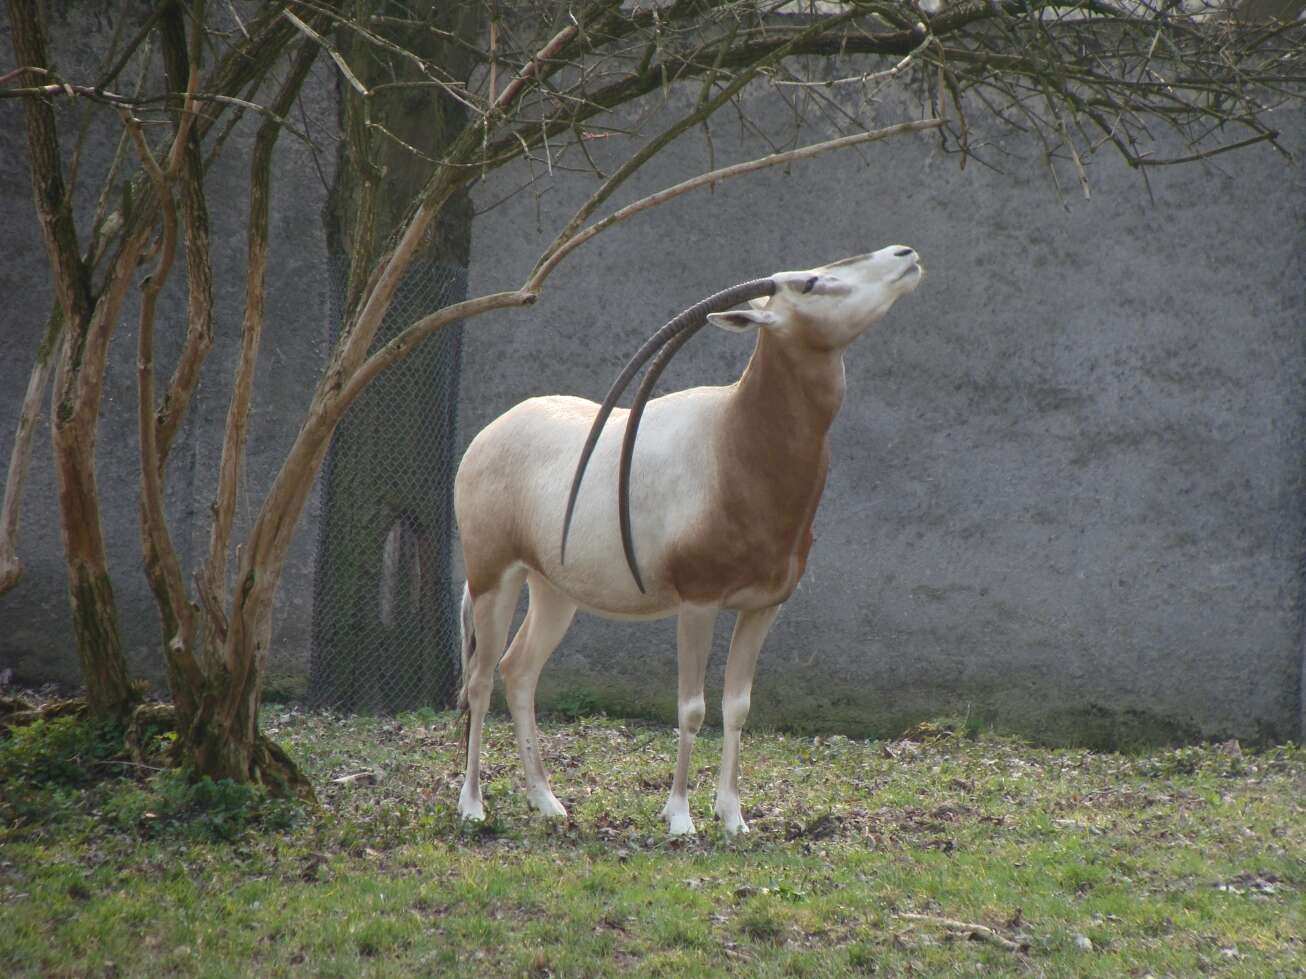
x,y
491,615
547,620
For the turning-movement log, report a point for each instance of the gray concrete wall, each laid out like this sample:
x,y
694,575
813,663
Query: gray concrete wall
x,y
1067,489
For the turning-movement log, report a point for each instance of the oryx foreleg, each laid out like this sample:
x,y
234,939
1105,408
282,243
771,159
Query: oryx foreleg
x,y
693,645
750,631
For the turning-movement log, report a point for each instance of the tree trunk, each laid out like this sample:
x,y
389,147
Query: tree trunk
x,y
88,322
223,742
384,623
221,735
90,592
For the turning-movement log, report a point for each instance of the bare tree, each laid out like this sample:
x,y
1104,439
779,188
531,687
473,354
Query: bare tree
x,y
532,80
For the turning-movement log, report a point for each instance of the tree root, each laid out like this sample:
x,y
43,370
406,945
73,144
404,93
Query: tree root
x,y
275,770
148,721
270,766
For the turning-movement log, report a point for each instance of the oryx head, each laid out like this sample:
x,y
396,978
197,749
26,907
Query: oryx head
x,y
831,306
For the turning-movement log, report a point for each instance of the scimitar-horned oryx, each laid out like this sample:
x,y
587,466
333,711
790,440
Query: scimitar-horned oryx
x,y
716,501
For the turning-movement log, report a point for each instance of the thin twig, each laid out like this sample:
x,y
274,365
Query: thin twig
x,y
724,173
511,91
128,764
369,124
69,89
866,79
1143,161
451,87
262,110
330,49
9,76
133,44
236,16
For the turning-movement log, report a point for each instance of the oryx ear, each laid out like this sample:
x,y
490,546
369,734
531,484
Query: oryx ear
x,y
814,284
739,320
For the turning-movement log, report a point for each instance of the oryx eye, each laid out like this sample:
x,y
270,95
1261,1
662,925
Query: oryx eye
x,y
810,284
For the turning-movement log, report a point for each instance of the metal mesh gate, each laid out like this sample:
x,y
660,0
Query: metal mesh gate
x,y
385,622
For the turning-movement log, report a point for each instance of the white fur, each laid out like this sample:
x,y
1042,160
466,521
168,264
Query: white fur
x,y
511,491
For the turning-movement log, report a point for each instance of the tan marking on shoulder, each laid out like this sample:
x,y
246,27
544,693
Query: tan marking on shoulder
x,y
772,461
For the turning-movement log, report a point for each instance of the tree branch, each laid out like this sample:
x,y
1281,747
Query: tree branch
x,y
330,49
654,146
162,568
406,341
182,68
11,565
144,32
213,582
53,206
1267,136
706,179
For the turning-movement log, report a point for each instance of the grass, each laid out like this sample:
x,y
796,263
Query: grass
x,y
1176,863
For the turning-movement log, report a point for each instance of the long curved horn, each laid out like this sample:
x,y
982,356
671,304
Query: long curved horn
x,y
649,347
628,443
686,324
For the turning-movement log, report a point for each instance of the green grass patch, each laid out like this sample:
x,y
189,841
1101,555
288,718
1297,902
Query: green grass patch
x,y
865,858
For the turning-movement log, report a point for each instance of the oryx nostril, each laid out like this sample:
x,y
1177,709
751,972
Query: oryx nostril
x,y
902,252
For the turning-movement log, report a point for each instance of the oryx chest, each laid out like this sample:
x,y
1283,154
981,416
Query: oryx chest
x,y
750,549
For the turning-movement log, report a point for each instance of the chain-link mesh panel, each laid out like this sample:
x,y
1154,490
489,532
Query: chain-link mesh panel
x,y
385,617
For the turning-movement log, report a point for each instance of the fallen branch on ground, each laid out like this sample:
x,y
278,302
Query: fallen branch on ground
x,y
981,933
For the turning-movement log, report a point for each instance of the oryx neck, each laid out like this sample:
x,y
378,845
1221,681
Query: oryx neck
x,y
789,384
